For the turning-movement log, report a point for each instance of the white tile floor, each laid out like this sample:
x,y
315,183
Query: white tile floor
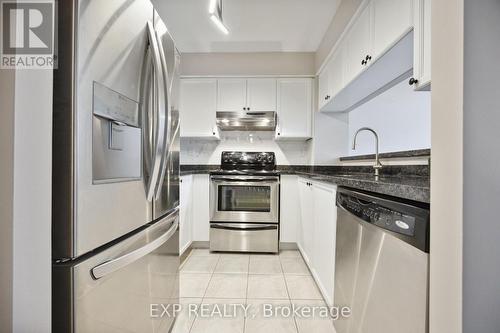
x,y
250,280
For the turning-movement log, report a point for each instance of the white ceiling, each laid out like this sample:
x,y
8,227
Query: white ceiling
x,y
254,25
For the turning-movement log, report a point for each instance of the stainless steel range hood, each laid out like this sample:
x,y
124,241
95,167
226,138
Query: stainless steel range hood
x,y
246,121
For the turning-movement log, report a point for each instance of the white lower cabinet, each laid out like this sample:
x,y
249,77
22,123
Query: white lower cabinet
x,y
306,227
325,227
317,232
185,216
201,208
289,209
194,210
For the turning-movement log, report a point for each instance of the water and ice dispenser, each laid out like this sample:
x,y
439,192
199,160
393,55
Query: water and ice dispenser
x,y
116,137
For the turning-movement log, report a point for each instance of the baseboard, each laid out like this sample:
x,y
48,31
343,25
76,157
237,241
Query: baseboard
x,y
288,246
185,253
206,245
185,248
200,244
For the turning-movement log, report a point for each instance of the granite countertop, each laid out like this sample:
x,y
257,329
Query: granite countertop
x,y
408,182
407,187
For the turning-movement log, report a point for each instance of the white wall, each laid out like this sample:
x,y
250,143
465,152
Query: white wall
x,y
481,187
7,98
26,145
32,201
195,151
267,63
445,303
400,116
330,142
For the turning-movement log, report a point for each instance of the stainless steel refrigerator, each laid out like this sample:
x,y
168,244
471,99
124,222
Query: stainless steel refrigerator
x,y
115,239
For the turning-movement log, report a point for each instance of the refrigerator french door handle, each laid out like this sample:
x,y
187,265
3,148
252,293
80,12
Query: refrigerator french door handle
x,y
159,104
113,265
147,122
167,116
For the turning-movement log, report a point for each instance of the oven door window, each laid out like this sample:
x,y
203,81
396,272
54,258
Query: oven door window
x,y
241,198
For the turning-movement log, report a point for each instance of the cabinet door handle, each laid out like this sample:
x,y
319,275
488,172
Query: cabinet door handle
x,y
363,62
412,81
368,57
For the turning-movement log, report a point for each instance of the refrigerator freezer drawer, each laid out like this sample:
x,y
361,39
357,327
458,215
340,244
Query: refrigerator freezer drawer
x,y
239,237
113,290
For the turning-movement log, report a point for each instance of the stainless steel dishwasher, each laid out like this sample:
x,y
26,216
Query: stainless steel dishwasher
x,y
382,264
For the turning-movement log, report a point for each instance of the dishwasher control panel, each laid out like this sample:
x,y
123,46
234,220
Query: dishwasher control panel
x,y
378,215
408,221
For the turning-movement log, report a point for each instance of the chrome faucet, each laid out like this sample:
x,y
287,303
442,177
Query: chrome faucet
x,y
377,165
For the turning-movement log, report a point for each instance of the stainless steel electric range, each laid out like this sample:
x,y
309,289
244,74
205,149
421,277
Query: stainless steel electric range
x,y
244,203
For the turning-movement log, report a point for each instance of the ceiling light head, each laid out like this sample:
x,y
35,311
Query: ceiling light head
x,y
215,11
213,6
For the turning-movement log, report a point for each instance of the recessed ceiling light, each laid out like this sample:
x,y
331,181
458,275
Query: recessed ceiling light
x,y
215,11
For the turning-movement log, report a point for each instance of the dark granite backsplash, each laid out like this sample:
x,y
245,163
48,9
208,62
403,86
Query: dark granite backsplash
x,y
396,154
198,168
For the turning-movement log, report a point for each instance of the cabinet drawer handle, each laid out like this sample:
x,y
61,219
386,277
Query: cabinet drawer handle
x,y
412,81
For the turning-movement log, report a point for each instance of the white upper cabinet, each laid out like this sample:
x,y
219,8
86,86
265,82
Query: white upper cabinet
x,y
391,21
323,86
359,45
261,95
336,68
294,108
422,46
331,79
231,95
377,48
290,98
242,95
197,108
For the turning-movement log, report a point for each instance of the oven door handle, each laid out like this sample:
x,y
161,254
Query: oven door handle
x,y
249,180
243,227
